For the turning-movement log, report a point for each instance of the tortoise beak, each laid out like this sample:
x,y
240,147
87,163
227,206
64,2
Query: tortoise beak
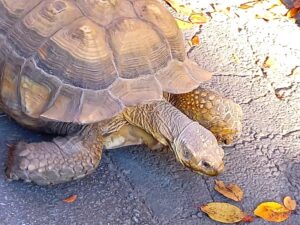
x,y
212,172
220,169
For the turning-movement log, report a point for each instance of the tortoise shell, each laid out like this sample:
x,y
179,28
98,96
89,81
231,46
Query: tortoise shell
x,y
84,61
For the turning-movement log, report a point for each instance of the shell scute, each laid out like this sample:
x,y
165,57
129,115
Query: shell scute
x,y
83,61
139,50
41,23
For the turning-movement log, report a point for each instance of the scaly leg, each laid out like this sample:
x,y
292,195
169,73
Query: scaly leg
x,y
220,115
63,159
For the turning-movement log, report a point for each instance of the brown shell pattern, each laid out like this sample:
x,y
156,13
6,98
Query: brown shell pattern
x,y
83,61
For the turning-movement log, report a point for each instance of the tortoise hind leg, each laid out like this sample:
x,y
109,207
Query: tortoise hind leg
x,y
220,115
63,159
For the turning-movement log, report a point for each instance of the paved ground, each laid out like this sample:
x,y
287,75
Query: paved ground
x,y
136,186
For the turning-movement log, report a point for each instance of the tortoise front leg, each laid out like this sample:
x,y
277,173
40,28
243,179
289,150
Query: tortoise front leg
x,y
220,115
63,159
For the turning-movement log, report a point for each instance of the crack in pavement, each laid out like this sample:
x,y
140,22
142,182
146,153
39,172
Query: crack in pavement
x,y
137,195
255,99
290,133
208,189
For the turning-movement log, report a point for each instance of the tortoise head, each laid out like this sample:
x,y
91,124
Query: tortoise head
x,y
197,149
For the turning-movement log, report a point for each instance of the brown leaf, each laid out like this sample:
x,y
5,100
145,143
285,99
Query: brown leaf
x,y
223,212
195,41
272,212
70,199
231,191
289,203
292,13
248,219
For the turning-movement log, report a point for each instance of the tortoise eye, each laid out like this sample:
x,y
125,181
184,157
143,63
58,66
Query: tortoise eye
x,y
206,164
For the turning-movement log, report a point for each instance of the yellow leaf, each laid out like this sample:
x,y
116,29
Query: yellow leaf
x,y
266,16
70,199
279,10
272,212
235,58
289,203
223,212
179,7
268,63
198,18
184,25
247,5
195,41
231,191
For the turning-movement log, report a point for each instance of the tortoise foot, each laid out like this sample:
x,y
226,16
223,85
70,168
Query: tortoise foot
x,y
222,116
45,163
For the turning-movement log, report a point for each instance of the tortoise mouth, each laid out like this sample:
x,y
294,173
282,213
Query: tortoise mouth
x,y
212,172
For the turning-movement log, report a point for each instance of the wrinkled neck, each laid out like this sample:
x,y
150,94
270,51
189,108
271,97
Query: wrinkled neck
x,y
160,119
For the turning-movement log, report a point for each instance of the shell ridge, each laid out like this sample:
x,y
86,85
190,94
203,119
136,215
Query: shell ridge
x,y
48,38
155,28
19,97
52,100
108,40
19,20
80,107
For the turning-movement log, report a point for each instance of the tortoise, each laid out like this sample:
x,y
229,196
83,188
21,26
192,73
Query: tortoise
x,y
103,74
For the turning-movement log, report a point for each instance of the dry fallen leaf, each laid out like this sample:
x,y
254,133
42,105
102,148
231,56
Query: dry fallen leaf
x,y
278,9
268,63
184,25
198,18
289,203
180,7
195,41
70,199
235,58
272,212
266,16
248,219
269,9
223,212
247,5
292,13
231,191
